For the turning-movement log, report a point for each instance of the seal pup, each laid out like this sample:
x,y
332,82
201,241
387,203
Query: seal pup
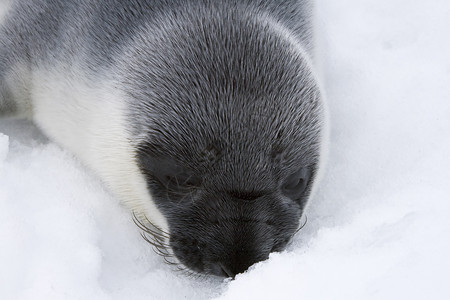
x,y
204,117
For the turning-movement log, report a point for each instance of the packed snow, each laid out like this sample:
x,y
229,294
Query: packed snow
x,y
378,228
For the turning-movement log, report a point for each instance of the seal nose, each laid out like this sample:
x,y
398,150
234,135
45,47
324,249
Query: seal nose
x,y
227,271
238,263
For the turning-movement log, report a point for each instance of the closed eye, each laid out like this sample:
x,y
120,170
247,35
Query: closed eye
x,y
188,180
180,181
295,184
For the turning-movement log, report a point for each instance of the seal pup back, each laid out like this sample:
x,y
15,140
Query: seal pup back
x,y
204,117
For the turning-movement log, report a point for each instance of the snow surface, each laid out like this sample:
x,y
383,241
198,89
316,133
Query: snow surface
x,y
379,227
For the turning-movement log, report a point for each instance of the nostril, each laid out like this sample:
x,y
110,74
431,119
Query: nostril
x,y
227,271
245,195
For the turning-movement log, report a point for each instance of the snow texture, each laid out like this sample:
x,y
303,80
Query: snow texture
x,y
379,227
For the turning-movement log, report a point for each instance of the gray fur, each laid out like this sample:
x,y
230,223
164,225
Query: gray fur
x,y
218,93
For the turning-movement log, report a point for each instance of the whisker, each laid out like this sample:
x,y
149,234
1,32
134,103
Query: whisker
x,y
157,232
157,244
149,241
301,227
155,235
157,228
139,223
185,196
170,262
163,251
158,238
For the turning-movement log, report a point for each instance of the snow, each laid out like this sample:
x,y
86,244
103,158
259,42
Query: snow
x,y
378,228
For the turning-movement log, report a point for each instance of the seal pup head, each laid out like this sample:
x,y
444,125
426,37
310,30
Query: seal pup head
x,y
227,117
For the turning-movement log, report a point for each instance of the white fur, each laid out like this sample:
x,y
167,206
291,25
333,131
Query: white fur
x,y
88,119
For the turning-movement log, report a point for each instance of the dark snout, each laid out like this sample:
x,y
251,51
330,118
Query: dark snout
x,y
237,260
228,249
225,238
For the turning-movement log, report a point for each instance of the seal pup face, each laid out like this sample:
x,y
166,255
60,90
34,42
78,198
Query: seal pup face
x,y
227,116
